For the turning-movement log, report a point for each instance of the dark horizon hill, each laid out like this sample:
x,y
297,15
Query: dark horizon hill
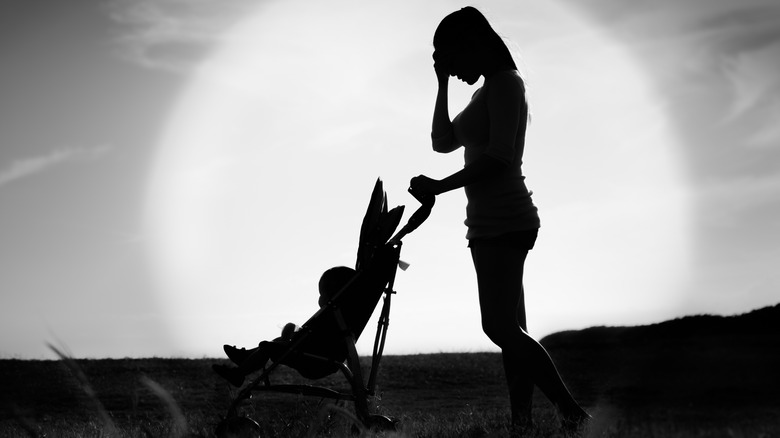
x,y
694,363
760,322
698,369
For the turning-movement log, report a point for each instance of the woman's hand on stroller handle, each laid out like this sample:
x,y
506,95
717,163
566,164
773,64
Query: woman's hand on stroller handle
x,y
427,199
424,189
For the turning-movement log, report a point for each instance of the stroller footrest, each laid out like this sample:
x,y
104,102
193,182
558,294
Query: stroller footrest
x,y
308,390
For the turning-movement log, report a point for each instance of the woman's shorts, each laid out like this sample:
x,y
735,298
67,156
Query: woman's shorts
x,y
523,239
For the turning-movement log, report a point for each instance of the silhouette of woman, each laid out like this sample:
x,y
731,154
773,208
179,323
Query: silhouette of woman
x,y
501,218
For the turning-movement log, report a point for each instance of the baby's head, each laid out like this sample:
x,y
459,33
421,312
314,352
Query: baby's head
x,y
332,281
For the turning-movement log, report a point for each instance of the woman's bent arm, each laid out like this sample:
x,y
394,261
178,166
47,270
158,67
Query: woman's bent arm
x,y
482,168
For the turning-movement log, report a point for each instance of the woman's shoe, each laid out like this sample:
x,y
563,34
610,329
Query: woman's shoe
x,y
521,426
576,421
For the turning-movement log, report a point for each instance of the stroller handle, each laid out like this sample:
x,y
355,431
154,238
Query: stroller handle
x,y
427,200
418,217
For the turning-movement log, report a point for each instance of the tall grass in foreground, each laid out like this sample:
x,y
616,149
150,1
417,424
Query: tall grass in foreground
x,y
308,417
104,425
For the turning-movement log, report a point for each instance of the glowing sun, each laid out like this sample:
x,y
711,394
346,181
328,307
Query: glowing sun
x,y
267,161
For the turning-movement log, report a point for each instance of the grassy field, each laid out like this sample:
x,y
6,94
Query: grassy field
x,y
636,385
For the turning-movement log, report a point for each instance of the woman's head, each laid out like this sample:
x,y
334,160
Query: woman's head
x,y
468,45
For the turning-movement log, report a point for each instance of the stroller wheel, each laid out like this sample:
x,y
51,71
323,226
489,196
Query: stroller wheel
x,y
238,427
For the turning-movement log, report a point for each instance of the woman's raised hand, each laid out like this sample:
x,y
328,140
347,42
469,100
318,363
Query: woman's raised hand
x,y
441,66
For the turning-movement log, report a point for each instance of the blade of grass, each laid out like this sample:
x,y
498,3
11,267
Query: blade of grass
x,y
179,421
109,428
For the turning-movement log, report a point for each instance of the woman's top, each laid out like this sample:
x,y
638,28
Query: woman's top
x,y
494,123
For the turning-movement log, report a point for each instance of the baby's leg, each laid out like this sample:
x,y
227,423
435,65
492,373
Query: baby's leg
x,y
257,359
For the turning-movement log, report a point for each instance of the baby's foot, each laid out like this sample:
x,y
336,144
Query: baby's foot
x,y
236,355
232,375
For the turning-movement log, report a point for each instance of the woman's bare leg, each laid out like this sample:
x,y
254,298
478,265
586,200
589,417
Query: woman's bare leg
x,y
521,387
500,278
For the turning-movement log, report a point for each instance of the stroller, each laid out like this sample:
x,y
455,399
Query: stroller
x,y
325,344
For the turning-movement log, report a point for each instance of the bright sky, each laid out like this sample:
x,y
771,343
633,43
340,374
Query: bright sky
x,y
177,176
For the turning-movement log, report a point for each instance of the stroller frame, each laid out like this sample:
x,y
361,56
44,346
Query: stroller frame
x,y
361,389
